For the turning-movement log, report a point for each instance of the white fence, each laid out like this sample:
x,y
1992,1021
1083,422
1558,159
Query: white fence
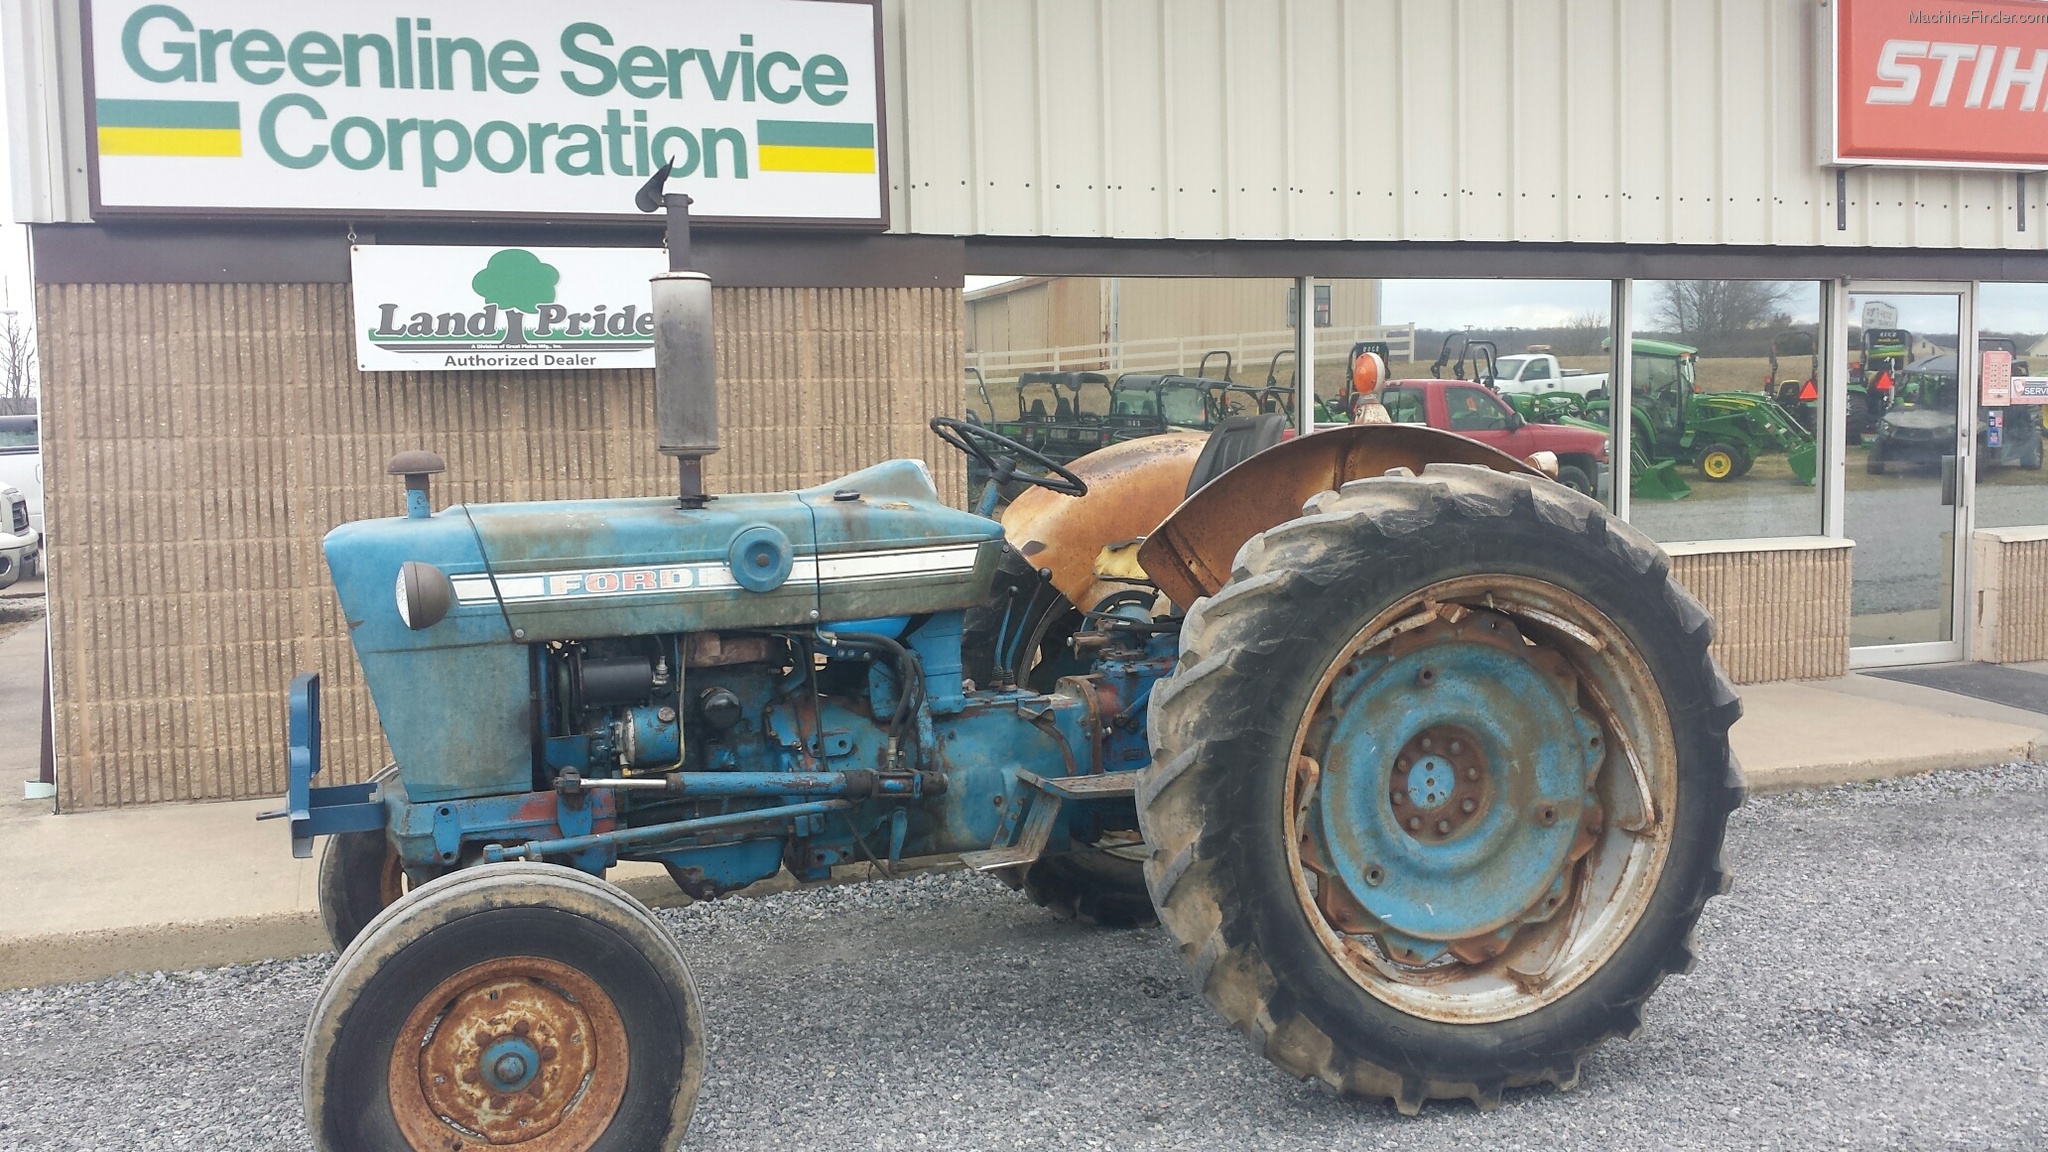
x,y
1250,354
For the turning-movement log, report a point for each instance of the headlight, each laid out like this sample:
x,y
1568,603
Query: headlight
x,y
424,595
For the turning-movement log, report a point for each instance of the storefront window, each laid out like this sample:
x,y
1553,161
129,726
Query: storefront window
x,y
2012,330
1521,365
1728,389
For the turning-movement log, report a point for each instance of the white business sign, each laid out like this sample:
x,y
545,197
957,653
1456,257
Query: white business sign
x,y
769,109
463,309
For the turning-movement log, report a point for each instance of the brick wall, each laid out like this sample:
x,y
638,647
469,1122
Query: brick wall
x,y
2011,570
1781,607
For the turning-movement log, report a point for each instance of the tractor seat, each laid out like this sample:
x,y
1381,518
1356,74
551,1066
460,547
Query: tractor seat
x,y
1233,442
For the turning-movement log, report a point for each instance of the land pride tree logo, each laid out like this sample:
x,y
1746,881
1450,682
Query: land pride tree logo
x,y
515,315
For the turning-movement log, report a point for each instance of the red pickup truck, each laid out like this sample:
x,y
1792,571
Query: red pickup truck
x,y
1474,410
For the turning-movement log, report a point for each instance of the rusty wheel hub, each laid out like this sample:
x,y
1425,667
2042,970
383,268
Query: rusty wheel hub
x,y
1455,775
1441,783
1473,813
519,1051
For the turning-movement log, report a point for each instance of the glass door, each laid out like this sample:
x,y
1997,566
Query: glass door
x,y
1910,456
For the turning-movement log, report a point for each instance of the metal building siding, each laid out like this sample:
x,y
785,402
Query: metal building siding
x,y
1596,121
1593,121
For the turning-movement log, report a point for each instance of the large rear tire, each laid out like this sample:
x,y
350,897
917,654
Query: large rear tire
x,y
1520,627
500,1005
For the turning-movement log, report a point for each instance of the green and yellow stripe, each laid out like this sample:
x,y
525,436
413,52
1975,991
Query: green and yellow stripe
x,y
814,146
170,127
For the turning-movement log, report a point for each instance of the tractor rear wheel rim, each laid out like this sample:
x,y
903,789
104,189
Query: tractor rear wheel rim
x,y
1480,884
519,1052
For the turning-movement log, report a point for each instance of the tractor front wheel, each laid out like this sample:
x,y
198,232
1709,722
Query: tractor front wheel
x,y
1439,786
360,876
515,1004
1098,884
1721,462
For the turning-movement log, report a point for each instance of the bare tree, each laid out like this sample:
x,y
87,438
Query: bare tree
x,y
1705,310
1583,334
17,366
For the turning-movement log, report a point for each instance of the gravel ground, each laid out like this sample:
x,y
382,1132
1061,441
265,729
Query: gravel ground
x,y
1872,982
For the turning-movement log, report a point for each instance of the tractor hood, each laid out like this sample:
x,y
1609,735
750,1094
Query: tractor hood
x,y
874,543
1920,424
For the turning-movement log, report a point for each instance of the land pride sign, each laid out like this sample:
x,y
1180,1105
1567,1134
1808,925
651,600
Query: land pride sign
x,y
1942,83
435,308
770,109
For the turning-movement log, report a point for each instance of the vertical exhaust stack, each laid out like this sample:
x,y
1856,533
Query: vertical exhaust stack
x,y
685,381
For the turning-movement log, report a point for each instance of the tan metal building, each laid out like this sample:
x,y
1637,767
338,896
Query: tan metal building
x,y
206,423
1146,324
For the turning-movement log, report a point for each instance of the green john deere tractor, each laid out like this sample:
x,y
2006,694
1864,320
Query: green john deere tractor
x,y
1719,433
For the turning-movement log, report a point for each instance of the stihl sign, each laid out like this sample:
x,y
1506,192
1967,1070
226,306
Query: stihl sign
x,y
1951,83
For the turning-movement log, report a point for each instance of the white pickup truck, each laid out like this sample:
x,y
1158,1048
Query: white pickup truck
x,y
1539,372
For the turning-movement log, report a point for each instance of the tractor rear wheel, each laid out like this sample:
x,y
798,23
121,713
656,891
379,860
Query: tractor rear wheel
x,y
1439,785
501,1005
1093,884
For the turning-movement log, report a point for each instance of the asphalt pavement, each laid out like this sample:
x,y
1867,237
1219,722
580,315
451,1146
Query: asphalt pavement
x,y
1872,982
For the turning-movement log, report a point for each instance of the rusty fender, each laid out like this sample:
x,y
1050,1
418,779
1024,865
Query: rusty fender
x,y
1190,551
1132,486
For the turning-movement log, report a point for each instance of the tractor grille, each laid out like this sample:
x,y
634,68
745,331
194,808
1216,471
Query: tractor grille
x,y
20,516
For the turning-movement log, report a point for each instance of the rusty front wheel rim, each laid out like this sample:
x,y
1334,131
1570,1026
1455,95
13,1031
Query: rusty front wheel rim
x,y
391,878
519,1051
1610,885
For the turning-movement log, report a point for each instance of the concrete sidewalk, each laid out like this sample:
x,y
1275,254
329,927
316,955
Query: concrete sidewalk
x,y
185,886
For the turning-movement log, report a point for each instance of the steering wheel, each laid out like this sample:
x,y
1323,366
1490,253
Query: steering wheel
x,y
1002,455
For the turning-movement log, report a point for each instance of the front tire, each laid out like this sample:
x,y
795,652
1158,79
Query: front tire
x,y
1720,462
1092,885
1575,478
360,876
1369,994
505,1004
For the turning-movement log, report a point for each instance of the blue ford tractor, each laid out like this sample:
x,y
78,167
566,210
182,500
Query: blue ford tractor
x,y
1419,756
